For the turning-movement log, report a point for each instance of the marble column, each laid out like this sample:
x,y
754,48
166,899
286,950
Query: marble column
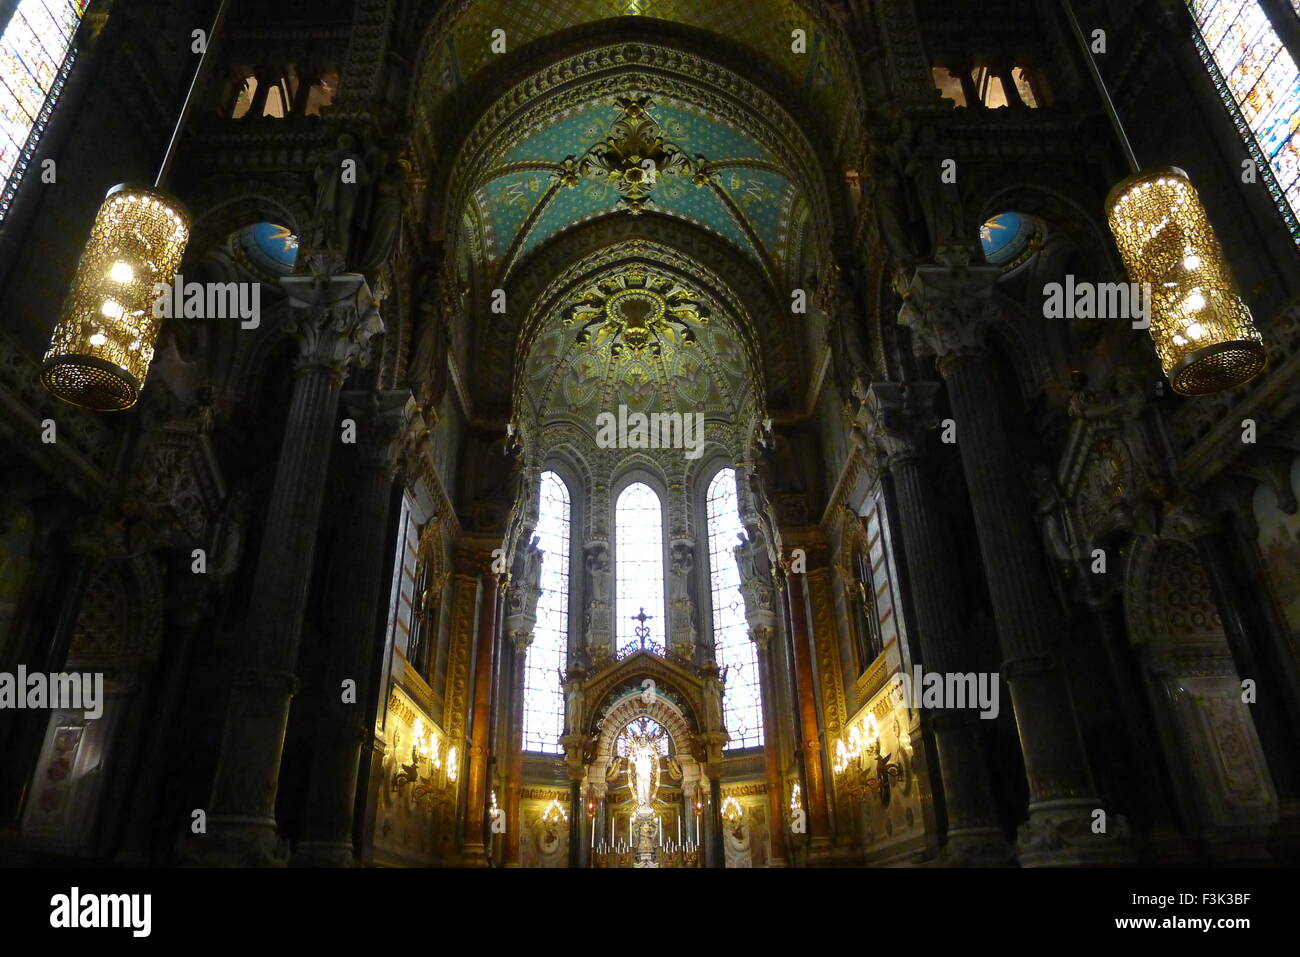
x,y
947,308
718,853
333,318
515,760
814,780
898,416
364,569
762,638
474,851
576,813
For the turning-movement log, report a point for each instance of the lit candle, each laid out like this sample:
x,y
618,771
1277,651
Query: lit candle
x,y
679,828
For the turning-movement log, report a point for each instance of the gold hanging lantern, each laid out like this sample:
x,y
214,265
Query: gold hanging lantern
x,y
100,352
1203,331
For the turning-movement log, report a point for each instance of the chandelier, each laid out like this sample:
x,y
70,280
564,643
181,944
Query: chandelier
x,y
636,313
1203,331
100,350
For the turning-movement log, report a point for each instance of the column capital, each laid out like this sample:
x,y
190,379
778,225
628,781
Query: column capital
x,y
383,421
1187,520
334,317
522,638
948,304
898,416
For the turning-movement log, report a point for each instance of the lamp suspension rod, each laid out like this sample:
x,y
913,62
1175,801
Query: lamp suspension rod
x,y
199,71
1106,100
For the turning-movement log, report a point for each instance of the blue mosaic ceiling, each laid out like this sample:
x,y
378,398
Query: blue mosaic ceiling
x,y
733,187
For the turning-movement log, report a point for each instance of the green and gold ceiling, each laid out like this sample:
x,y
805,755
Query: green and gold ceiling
x,y
628,154
458,48
633,332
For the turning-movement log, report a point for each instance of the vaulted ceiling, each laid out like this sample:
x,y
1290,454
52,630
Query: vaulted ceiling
x,y
733,187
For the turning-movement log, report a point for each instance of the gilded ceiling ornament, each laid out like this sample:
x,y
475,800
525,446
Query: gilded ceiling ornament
x,y
633,158
638,312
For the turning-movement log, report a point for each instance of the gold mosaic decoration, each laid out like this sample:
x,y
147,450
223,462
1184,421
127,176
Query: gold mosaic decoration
x,y
640,313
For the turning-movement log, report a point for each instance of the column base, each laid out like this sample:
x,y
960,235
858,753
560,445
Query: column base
x,y
324,854
820,851
474,855
236,842
976,847
1060,834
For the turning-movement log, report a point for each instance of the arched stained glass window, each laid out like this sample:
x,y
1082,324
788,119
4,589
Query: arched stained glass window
x,y
543,697
1260,85
35,57
742,703
638,564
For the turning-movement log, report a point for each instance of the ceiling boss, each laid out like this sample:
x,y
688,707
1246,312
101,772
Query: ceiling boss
x,y
639,312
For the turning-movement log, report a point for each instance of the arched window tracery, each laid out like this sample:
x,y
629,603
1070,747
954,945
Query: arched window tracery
x,y
1257,78
36,55
742,703
638,566
543,697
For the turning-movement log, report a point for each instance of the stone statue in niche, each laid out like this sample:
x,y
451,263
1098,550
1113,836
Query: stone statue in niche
x,y
340,176
941,201
383,215
532,564
598,574
683,561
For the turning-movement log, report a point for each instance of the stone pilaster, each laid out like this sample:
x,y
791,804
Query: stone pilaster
x,y
947,308
365,559
333,318
520,620
898,419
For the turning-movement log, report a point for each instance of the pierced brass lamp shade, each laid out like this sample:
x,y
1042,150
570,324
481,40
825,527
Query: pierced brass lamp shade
x,y
1203,331
100,352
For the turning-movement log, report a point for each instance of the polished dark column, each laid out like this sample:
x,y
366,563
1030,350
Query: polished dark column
x,y
948,307
898,418
474,851
515,760
762,638
364,571
332,316
814,780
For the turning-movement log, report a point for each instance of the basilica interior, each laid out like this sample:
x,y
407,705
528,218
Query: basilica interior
x,y
651,433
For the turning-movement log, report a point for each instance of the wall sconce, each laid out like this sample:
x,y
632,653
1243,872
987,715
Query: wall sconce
x,y
453,764
732,811
424,750
555,814
862,765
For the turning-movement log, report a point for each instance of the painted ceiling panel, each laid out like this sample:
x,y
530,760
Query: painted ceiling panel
x,y
763,196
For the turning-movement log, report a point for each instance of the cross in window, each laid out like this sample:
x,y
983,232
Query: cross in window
x,y
642,630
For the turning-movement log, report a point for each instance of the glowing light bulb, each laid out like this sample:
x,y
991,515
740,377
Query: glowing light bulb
x,y
111,309
98,339
1192,261
1195,302
121,272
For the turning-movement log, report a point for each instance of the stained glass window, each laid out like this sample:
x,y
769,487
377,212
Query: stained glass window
x,y
35,57
1260,85
638,564
543,697
742,704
